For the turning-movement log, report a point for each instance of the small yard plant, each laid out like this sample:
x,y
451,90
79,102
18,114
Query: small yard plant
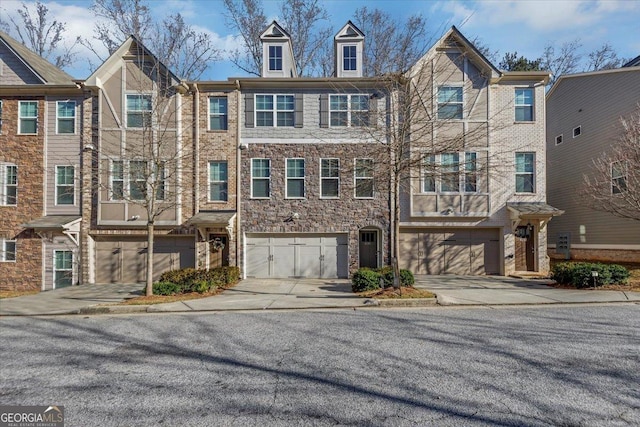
x,y
588,274
188,280
366,279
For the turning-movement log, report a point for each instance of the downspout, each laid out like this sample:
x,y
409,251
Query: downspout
x,y
238,183
196,151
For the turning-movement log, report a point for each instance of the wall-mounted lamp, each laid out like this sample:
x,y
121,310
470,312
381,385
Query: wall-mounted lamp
x,y
244,146
293,217
134,218
89,147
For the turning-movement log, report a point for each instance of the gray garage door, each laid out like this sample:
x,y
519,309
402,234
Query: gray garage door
x,y
124,260
451,251
297,255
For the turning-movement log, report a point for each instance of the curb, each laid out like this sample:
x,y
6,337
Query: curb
x,y
407,302
114,309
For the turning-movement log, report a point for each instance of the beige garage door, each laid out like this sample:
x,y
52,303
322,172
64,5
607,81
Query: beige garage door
x,y
450,251
124,260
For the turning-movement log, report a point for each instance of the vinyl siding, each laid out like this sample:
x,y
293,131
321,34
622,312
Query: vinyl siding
x,y
14,72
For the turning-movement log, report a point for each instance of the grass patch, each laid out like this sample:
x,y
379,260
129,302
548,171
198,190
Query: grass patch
x,y
14,294
408,292
632,285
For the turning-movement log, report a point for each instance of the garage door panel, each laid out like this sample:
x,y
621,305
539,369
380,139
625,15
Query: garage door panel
x,y
258,261
283,261
433,259
410,249
308,261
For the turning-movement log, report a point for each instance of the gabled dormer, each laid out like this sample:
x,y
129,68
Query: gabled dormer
x,y
277,53
348,48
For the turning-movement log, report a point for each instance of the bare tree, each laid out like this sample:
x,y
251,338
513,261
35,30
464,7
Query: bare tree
x,y
248,19
565,60
184,50
604,58
38,33
613,185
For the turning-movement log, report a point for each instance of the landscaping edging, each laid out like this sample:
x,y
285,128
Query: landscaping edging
x,y
406,302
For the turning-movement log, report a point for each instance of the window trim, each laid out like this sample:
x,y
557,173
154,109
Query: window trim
x,y
127,180
276,49
72,185
225,182
4,251
303,178
353,58
579,129
349,110
323,178
531,106
461,102
126,110
559,139
532,173
20,118
55,268
274,111
73,118
268,179
225,115
356,178
463,171
623,176
4,185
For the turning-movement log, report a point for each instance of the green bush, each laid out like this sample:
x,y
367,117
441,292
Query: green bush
x,y
166,288
201,280
579,274
406,278
365,280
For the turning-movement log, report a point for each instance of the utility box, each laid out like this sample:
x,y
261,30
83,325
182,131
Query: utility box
x,y
563,245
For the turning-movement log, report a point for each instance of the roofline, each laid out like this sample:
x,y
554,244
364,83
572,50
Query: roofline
x,y
589,74
349,22
301,82
475,49
36,90
544,76
24,62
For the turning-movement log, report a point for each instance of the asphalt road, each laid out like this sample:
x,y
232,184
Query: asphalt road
x,y
567,366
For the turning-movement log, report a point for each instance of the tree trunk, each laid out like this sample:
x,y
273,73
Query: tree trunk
x,y
149,258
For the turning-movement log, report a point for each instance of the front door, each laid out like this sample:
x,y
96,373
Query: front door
x,y
218,251
368,248
525,249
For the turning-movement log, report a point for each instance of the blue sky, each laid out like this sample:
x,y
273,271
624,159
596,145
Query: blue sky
x,y
525,26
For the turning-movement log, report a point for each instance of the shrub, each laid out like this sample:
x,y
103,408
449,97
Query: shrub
x,y
365,280
166,288
201,280
580,274
406,278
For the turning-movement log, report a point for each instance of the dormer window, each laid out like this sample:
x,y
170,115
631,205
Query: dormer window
x,y
349,58
275,58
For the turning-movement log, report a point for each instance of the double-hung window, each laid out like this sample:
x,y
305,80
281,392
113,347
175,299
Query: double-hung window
x,y
275,110
275,58
260,178
349,110
618,177
131,180
218,181
117,180
430,173
66,116
138,110
218,113
329,178
524,105
349,58
450,177
470,172
525,172
137,180
65,185
295,178
450,173
28,117
7,250
450,102
63,268
8,184
363,177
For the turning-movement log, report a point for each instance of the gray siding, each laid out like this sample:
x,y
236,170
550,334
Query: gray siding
x,y
595,102
13,71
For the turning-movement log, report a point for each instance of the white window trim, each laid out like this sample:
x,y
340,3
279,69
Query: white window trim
x,y
281,58
532,106
72,185
268,179
111,181
55,270
624,175
4,185
3,250
452,85
579,129
209,113
126,109
287,178
533,173
462,173
329,178
275,110
356,178
126,182
66,118
559,139
217,182
30,118
349,110
355,47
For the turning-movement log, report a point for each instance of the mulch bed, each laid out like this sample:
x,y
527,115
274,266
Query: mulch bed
x,y
389,293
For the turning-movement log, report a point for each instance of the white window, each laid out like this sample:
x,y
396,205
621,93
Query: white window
x,y
138,111
218,181
28,117
450,176
559,139
8,184
470,172
618,177
7,250
349,58
363,176
524,105
450,173
65,185
577,131
295,178
525,172
117,180
260,178
329,178
62,269
275,110
66,117
137,180
218,113
133,179
275,58
429,176
349,110
450,102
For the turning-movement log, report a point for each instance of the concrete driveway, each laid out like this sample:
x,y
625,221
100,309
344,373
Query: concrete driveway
x,y
498,290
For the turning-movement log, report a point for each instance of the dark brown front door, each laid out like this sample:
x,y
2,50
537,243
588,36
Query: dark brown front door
x,y
525,248
219,251
368,249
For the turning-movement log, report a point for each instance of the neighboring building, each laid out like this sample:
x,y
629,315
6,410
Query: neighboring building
x,y
477,204
583,112
310,206
41,111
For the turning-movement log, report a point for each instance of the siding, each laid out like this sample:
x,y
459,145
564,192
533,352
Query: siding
x,y
14,72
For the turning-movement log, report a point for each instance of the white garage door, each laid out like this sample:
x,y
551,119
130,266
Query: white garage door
x,y
297,255
451,251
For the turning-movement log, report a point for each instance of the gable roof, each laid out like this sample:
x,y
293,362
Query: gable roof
x,y
349,31
274,30
45,71
633,63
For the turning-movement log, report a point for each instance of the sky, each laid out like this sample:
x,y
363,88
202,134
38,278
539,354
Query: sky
x,y
525,26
